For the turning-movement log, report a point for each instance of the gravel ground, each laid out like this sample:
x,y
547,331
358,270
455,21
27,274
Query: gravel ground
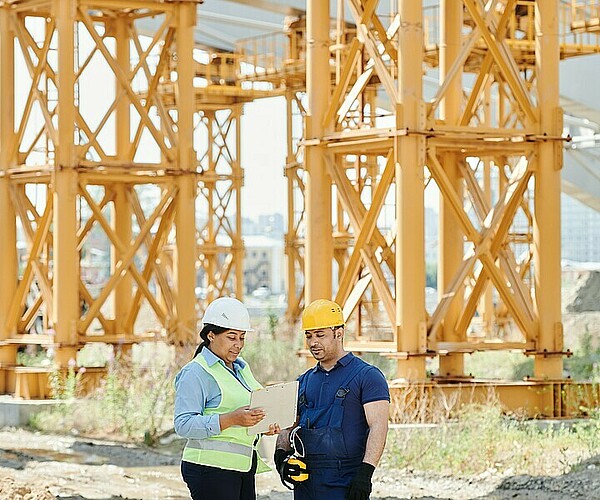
x,y
37,466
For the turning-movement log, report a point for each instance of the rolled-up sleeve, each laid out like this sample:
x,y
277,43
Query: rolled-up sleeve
x,y
191,394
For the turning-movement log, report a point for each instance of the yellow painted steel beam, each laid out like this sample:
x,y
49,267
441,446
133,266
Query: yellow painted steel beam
x,y
35,72
220,185
122,210
84,231
365,231
126,263
547,194
370,43
411,321
40,270
66,258
295,196
344,81
486,65
18,299
549,399
86,296
503,60
154,264
319,240
122,79
351,202
154,245
450,236
8,227
503,215
184,262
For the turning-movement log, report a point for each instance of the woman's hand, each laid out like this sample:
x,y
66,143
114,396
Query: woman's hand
x,y
243,417
273,429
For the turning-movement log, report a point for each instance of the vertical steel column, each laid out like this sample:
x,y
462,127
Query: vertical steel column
x,y
66,309
410,212
8,227
122,205
319,238
209,248
546,230
294,237
237,183
450,235
290,236
487,297
185,250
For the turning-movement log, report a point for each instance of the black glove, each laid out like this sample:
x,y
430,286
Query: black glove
x,y
361,486
290,473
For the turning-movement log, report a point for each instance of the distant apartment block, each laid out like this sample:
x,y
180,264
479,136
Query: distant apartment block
x,y
580,231
264,264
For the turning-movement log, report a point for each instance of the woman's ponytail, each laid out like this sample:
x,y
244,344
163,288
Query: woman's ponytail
x,y
206,329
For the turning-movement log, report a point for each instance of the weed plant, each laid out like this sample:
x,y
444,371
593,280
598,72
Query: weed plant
x,y
272,360
481,440
134,402
136,398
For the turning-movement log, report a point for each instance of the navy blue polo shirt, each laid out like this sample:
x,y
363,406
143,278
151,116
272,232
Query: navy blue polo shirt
x,y
368,386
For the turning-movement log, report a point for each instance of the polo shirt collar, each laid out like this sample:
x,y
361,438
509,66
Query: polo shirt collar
x,y
342,362
211,358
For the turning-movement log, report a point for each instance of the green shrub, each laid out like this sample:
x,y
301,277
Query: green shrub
x,y
273,360
585,362
135,401
33,356
481,439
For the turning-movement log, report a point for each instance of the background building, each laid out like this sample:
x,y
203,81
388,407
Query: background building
x,y
580,231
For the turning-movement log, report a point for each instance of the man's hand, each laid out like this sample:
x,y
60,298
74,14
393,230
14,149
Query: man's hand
x,y
292,470
273,429
361,486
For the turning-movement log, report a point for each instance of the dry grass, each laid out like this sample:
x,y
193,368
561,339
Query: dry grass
x,y
481,439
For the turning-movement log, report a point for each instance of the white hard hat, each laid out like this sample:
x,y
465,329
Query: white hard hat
x,y
227,312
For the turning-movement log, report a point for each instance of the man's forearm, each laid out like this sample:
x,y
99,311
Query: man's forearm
x,y
375,444
283,440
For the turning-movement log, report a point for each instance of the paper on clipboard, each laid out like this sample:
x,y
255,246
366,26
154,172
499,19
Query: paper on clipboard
x,y
279,402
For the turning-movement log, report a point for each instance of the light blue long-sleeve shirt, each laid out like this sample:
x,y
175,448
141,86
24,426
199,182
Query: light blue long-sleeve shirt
x,y
196,390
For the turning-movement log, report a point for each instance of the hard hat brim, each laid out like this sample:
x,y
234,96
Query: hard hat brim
x,y
247,330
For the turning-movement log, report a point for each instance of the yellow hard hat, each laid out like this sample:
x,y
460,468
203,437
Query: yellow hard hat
x,y
322,313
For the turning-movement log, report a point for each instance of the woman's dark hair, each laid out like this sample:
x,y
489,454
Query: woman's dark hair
x,y
206,329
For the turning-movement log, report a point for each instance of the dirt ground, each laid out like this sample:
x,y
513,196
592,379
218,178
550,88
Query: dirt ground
x,y
36,466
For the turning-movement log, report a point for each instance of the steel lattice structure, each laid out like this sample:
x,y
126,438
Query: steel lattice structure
x,y
364,143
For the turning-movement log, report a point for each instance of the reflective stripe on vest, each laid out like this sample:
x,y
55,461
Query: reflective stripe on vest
x,y
211,444
232,449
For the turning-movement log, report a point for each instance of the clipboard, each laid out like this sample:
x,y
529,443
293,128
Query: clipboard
x,y
280,402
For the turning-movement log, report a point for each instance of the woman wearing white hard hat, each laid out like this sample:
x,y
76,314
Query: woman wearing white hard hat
x,y
212,395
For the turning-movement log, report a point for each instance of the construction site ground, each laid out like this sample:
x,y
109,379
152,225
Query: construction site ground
x,y
36,466
40,466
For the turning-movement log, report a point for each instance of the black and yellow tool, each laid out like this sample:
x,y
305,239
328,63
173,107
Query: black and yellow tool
x,y
297,469
291,465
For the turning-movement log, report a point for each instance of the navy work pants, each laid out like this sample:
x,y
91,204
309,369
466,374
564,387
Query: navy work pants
x,y
325,483
213,483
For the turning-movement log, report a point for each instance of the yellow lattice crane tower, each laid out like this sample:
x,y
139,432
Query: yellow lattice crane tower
x,y
364,144
87,172
114,151
490,139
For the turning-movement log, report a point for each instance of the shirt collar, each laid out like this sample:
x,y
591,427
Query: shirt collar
x,y
211,358
340,362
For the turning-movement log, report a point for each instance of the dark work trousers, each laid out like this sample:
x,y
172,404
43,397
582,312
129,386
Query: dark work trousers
x,y
213,483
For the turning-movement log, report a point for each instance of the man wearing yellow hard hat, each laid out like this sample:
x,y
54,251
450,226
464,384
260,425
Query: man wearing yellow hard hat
x,y
343,408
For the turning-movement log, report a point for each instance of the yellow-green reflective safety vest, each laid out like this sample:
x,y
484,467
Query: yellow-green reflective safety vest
x,y
233,448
